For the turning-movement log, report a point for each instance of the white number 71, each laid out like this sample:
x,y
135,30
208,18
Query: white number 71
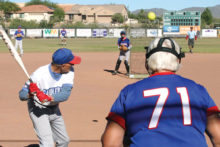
x,y
163,94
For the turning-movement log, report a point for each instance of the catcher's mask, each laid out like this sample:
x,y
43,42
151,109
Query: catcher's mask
x,y
159,48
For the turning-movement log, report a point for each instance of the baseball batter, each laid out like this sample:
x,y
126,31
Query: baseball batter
x,y
124,46
19,34
191,36
165,109
63,36
51,85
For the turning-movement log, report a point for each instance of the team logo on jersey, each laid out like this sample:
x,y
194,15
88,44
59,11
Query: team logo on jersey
x,y
52,90
124,44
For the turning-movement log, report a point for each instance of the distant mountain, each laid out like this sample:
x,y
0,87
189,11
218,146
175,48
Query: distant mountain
x,y
159,12
215,10
201,9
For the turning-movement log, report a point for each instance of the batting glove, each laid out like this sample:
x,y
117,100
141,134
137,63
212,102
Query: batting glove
x,y
43,97
33,88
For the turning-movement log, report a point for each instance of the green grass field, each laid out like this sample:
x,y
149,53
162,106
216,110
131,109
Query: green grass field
x,y
204,45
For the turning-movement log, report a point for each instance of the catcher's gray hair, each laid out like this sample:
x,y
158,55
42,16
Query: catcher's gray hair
x,y
162,60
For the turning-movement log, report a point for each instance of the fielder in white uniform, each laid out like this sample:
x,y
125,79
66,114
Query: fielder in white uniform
x,y
191,36
51,85
19,34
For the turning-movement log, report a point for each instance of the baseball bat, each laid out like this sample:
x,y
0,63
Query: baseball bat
x,y
16,56
13,51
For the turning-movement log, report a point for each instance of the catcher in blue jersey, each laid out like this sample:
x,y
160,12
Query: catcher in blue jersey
x,y
124,46
164,109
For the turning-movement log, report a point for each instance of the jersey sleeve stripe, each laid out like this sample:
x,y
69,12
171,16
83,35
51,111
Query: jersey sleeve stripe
x,y
67,85
212,110
116,118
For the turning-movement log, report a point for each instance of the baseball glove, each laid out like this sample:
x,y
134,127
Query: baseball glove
x,y
18,35
123,48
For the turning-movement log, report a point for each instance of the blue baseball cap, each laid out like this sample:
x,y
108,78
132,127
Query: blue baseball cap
x,y
19,26
64,55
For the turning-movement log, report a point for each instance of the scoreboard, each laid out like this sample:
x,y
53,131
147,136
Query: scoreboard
x,y
179,22
182,18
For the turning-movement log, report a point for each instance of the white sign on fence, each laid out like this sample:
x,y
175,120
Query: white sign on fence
x,y
154,32
34,32
69,32
12,31
99,32
83,32
138,33
114,32
50,33
209,33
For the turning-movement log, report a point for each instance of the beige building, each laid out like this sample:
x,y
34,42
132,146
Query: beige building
x,y
101,14
34,12
94,13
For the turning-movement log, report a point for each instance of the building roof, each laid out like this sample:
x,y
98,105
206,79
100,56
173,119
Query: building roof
x,y
35,9
98,9
66,7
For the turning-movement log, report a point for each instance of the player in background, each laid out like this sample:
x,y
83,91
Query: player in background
x,y
191,36
52,83
164,109
63,36
19,34
124,46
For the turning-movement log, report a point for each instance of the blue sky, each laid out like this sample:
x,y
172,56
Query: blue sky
x,y
143,4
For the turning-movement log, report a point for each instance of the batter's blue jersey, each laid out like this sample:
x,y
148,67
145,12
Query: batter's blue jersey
x,y
124,41
164,110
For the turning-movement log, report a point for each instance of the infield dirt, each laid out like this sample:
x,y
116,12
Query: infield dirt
x,y
93,94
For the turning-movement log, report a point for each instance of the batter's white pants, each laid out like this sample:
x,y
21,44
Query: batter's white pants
x,y
19,43
124,55
49,127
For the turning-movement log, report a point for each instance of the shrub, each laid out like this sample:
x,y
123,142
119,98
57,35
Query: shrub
x,y
45,24
118,18
25,24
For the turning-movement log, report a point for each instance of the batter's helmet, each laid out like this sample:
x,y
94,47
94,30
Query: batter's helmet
x,y
159,48
123,33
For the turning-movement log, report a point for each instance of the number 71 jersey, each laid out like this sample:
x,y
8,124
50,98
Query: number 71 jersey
x,y
164,110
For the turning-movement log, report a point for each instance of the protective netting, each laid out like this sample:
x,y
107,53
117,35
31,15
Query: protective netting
x,y
137,56
137,63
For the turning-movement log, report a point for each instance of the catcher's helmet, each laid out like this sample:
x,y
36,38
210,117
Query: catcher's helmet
x,y
159,48
123,33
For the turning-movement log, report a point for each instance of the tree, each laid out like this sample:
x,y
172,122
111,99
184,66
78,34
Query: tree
x,y
42,2
58,14
159,21
8,8
132,15
118,18
142,16
207,16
